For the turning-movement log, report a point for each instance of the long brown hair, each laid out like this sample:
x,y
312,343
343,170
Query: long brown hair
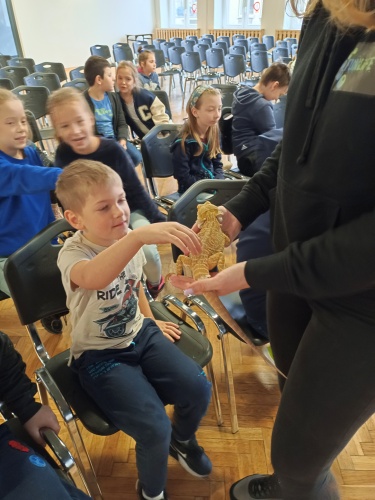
x,y
190,128
343,12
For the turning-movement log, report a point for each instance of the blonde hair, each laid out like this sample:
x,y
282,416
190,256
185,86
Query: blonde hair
x,y
79,179
345,13
190,127
133,71
7,95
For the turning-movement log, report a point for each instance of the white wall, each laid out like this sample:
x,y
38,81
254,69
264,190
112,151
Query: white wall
x,y
64,30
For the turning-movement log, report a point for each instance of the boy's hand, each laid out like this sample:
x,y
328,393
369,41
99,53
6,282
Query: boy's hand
x,y
122,143
170,232
170,330
43,418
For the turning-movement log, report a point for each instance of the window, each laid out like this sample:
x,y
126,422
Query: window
x,y
246,14
183,13
9,41
291,22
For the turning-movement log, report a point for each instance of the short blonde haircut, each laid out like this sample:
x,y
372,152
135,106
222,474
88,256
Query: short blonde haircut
x,y
79,179
133,71
64,96
7,95
344,13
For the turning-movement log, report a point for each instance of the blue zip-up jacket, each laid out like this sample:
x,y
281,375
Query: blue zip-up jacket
x,y
189,168
150,82
25,204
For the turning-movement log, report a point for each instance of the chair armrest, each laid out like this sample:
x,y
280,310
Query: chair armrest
x,y
210,312
171,300
59,449
55,393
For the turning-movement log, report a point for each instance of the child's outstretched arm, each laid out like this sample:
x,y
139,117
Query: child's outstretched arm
x,y
26,179
97,273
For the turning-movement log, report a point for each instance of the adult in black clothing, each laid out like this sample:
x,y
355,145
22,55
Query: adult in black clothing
x,y
319,184
23,473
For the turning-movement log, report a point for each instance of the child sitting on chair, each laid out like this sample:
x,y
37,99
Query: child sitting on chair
x,y
105,105
74,127
123,359
196,153
142,109
146,70
25,203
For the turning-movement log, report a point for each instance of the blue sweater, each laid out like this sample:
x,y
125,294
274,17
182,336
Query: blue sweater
x,y
25,204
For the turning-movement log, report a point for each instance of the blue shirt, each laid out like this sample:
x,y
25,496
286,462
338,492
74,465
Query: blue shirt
x,y
103,116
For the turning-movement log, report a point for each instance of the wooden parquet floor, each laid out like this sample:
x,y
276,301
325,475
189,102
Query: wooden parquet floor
x,y
233,455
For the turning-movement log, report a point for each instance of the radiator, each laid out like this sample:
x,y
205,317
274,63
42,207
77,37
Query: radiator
x,y
281,34
167,33
230,33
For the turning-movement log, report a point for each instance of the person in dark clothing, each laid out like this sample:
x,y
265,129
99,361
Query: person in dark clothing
x,y
254,133
196,152
319,184
25,474
73,122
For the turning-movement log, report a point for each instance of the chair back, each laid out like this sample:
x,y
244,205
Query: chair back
x,y
122,52
174,55
238,49
252,39
215,58
163,96
78,72
137,44
155,149
225,39
149,46
209,35
33,98
242,42
52,67
227,90
192,37
176,40
201,48
278,53
190,62
269,41
257,46
15,74
6,83
282,43
290,42
259,60
205,39
165,46
238,37
49,80
4,60
100,50
189,45
25,62
234,65
37,137
158,41
225,126
78,83
221,45
34,267
159,58
294,48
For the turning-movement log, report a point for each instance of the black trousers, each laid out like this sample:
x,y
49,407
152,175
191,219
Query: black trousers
x,y
327,350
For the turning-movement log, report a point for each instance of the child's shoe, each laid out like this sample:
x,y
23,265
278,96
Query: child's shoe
x,y
138,487
191,457
155,289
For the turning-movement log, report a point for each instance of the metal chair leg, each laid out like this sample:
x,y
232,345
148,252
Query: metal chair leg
x,y
225,347
215,394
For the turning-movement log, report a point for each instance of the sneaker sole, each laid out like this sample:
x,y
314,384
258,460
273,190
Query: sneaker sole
x,y
180,459
240,489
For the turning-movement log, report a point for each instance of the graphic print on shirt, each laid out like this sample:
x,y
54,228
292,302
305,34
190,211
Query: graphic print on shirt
x,y
357,74
114,325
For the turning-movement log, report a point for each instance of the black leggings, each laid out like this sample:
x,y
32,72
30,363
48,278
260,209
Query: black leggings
x,y
327,349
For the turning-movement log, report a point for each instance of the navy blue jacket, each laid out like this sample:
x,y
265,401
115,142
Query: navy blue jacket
x,y
189,168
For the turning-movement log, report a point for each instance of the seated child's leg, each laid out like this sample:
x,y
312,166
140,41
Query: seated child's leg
x,y
115,380
134,153
152,269
3,284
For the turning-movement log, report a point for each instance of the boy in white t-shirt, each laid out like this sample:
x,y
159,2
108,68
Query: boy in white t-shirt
x,y
125,362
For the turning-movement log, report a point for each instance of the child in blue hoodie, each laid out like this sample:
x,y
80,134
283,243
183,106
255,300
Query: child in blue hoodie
x,y
254,133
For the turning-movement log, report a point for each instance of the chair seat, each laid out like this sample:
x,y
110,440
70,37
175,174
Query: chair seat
x,y
83,405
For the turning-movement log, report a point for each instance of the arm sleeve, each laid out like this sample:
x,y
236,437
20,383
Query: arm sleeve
x,y
16,389
265,118
26,179
218,167
158,112
181,166
122,129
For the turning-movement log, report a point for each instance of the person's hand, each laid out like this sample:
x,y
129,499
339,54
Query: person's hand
x,y
43,418
170,232
230,224
122,143
170,330
227,281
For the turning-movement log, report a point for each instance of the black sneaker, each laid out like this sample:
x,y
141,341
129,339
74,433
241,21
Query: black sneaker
x,y
138,487
257,486
191,456
52,324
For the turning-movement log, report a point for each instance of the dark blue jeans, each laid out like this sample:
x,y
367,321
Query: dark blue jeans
x,y
24,474
134,153
133,385
327,350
